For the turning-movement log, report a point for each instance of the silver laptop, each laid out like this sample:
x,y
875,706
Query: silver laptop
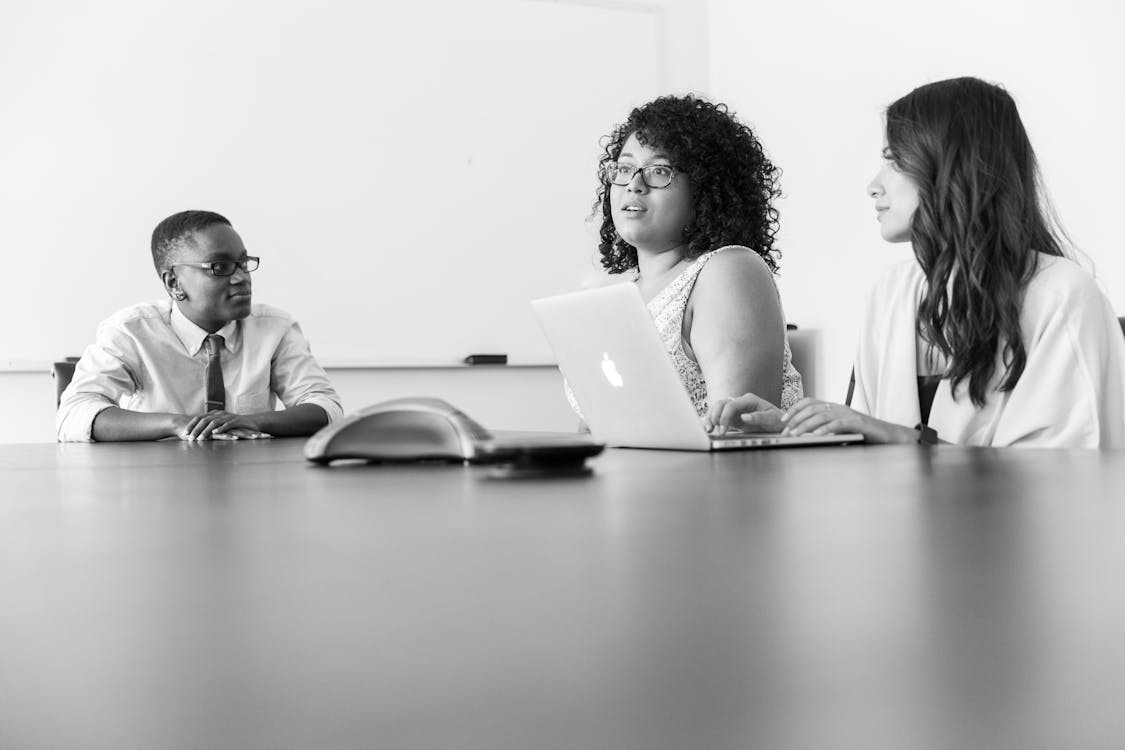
x,y
624,381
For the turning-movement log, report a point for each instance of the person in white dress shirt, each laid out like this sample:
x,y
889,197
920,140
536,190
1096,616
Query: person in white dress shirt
x,y
146,375
989,335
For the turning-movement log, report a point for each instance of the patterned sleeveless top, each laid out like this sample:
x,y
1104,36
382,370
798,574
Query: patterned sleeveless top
x,y
667,310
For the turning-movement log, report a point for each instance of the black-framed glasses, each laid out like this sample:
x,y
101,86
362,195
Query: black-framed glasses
x,y
655,176
226,267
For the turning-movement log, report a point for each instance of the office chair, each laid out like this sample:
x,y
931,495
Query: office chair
x,y
63,372
803,346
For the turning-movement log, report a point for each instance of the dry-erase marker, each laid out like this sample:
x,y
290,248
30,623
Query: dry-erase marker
x,y
486,359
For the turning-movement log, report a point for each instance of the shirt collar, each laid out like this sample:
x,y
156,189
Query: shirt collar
x,y
192,336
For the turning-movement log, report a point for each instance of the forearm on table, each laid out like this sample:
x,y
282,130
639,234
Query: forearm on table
x,y
117,424
302,419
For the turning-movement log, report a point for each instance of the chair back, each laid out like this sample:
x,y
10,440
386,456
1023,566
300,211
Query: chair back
x,y
803,345
63,373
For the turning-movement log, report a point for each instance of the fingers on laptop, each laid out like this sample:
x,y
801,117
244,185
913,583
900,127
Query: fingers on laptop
x,y
739,412
817,417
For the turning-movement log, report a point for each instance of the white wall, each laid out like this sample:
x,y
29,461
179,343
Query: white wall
x,y
813,77
64,66
364,150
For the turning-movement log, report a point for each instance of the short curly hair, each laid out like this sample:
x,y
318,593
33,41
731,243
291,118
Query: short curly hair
x,y
734,184
171,233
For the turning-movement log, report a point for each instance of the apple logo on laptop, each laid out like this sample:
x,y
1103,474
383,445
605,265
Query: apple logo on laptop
x,y
611,373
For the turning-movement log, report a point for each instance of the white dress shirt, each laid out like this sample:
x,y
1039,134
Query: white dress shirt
x,y
151,358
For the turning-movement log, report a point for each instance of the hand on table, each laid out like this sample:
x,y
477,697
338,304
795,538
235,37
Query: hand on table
x,y
808,416
220,425
816,417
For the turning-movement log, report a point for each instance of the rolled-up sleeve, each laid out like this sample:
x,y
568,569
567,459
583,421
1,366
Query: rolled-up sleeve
x,y
297,378
102,378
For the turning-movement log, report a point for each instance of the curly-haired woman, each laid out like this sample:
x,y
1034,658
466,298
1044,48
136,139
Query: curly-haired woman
x,y
686,205
988,335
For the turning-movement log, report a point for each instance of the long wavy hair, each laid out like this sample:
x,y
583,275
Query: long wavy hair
x,y
979,224
733,183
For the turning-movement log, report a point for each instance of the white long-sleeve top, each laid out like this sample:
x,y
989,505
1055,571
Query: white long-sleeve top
x,y
1071,393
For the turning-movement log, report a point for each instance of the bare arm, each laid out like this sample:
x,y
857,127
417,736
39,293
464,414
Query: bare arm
x,y
302,419
737,331
117,424
808,415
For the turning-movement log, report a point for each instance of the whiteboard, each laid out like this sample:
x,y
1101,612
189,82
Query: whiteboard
x,y
411,172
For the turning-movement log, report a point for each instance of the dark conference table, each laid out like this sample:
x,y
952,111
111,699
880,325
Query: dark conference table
x,y
230,595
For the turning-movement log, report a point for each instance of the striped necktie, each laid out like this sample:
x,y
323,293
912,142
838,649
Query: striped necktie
x,y
216,392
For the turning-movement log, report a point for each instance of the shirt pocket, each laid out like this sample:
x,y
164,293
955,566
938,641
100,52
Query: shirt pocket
x,y
249,403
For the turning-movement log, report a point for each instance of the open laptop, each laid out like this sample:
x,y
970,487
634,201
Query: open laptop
x,y
629,391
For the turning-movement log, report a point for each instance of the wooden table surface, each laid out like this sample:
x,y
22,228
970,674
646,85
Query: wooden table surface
x,y
231,595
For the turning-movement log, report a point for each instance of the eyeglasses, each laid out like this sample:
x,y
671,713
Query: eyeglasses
x,y
226,267
655,176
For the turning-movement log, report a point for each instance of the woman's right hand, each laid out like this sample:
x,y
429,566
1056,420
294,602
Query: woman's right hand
x,y
747,413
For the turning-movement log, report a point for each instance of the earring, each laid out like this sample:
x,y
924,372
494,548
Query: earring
x,y
179,295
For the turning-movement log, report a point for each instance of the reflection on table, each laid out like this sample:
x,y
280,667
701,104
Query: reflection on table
x,y
176,595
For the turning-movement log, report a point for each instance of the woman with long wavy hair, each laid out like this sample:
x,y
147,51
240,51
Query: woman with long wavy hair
x,y
989,335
